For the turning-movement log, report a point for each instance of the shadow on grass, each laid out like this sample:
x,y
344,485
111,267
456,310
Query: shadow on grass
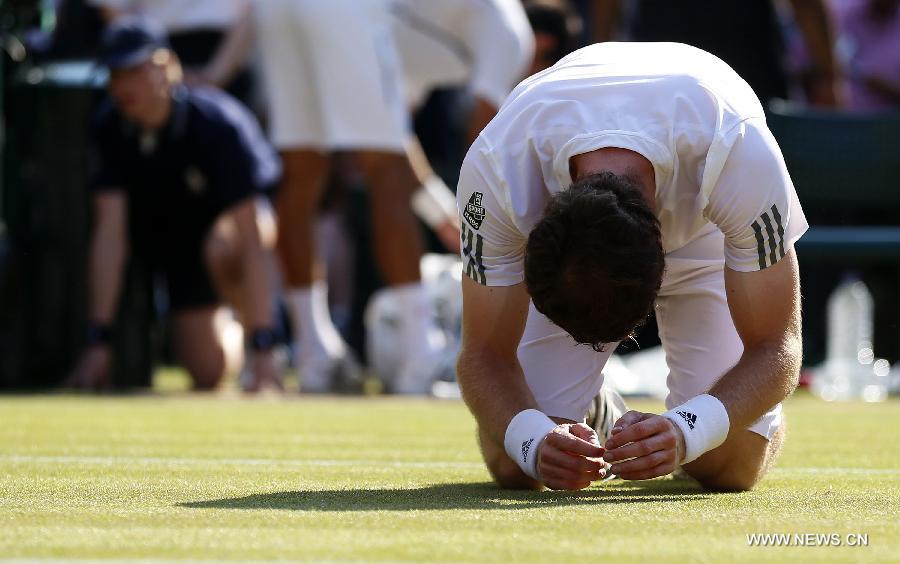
x,y
456,496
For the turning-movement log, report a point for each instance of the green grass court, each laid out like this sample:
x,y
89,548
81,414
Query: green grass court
x,y
179,476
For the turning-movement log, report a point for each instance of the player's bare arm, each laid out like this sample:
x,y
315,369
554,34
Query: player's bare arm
x,y
490,378
765,306
494,388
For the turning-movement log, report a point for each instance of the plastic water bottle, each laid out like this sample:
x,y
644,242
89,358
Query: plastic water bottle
x,y
849,320
851,370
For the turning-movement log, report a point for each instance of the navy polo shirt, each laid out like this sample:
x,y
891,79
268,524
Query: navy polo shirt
x,y
210,156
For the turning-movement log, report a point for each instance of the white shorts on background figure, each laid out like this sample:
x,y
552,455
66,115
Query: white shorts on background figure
x,y
331,74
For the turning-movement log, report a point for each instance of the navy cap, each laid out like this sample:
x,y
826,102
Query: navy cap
x,y
130,41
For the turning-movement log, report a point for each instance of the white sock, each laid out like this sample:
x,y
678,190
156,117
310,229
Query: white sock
x,y
315,335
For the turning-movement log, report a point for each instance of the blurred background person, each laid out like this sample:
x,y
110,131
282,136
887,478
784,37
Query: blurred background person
x,y
212,38
443,46
443,120
481,46
482,49
333,82
484,45
181,175
867,47
869,44
746,35
751,36
556,28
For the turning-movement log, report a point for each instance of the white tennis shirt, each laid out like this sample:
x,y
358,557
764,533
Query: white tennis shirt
x,y
716,164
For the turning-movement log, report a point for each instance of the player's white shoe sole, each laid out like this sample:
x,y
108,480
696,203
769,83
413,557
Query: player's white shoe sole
x,y
605,409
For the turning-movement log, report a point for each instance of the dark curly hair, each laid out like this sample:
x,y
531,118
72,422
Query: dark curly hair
x,y
594,263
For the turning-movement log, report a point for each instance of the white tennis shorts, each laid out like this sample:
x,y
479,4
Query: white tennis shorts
x,y
331,74
695,327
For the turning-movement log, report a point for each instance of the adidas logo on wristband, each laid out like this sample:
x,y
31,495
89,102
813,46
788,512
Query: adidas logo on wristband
x,y
526,446
703,421
523,437
690,418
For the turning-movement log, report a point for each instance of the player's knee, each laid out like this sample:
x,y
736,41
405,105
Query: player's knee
x,y
739,464
207,378
219,255
725,482
736,474
512,478
207,370
507,474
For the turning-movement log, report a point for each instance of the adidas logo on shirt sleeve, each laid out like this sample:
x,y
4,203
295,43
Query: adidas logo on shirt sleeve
x,y
769,232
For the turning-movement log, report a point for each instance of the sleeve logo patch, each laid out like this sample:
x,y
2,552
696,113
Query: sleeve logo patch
x,y
474,211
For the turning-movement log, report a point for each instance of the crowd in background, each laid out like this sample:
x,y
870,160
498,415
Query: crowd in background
x,y
301,69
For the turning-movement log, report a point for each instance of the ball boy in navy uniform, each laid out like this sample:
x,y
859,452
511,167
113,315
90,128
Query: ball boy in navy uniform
x,y
181,178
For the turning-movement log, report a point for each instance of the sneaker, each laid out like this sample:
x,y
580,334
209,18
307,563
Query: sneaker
x,y
247,381
445,385
349,376
419,370
330,375
606,408
416,377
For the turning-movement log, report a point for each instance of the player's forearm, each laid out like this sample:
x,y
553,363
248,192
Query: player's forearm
x,y
106,264
494,389
765,375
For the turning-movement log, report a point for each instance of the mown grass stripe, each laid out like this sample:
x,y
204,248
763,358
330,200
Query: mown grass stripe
x,y
181,461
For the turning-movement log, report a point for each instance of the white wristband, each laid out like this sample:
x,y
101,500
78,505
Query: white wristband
x,y
524,435
434,202
704,423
